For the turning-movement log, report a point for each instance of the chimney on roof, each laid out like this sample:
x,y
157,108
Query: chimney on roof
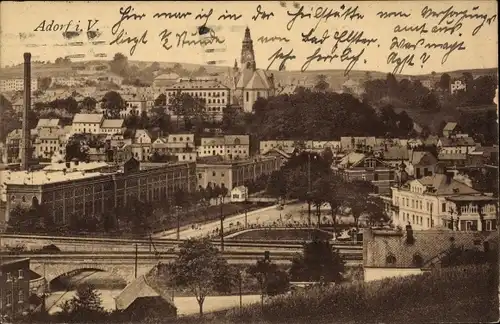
x,y
449,176
409,234
26,106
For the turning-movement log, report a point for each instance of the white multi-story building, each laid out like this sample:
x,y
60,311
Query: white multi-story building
x,y
96,124
214,95
232,147
87,123
16,84
440,201
112,126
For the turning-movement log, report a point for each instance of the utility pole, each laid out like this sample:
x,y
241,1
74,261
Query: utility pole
x,y
309,186
241,296
178,223
246,207
221,224
136,255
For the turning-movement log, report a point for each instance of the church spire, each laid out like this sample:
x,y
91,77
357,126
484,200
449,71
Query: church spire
x,y
247,52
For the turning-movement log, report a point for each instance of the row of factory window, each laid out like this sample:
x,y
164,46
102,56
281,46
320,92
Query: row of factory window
x,y
200,94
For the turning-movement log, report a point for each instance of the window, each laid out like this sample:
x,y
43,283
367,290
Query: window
x,y
213,173
412,203
418,261
443,207
20,297
222,174
8,299
247,96
20,274
390,259
9,277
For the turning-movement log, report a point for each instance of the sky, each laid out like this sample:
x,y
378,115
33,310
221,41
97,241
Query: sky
x,y
21,19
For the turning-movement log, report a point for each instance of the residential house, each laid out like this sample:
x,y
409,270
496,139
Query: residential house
x,y
457,85
141,151
353,87
456,145
231,147
421,164
112,126
265,146
284,155
87,123
182,146
389,254
48,124
414,143
424,202
361,166
453,160
233,173
352,143
394,156
143,298
50,141
14,287
134,104
142,136
239,194
18,105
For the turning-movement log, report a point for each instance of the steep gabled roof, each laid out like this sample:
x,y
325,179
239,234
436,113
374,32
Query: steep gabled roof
x,y
439,182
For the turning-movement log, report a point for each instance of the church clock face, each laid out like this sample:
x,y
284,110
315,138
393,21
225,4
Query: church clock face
x,y
248,57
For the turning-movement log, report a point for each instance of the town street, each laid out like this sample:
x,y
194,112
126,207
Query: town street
x,y
265,216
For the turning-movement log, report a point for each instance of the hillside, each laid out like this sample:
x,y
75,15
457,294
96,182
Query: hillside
x,y
453,295
334,77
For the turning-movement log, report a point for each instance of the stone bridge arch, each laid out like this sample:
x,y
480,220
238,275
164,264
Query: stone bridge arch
x,y
52,271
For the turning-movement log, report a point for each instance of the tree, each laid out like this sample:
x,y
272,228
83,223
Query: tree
x,y
357,193
112,104
318,263
200,268
85,304
119,65
271,279
392,85
375,209
44,83
276,185
89,103
327,155
445,81
161,100
321,84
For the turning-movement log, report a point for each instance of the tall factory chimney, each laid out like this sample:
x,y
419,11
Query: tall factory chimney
x,y
25,146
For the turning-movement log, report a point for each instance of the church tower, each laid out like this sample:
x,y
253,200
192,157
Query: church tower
x,y
247,53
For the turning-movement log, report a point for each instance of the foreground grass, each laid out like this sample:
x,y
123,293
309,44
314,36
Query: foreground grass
x,y
462,294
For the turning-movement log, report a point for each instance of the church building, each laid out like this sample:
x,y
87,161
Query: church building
x,y
250,83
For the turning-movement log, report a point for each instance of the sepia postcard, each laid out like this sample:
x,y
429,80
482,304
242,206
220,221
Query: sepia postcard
x,y
249,162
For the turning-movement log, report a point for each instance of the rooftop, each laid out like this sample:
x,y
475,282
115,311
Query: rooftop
x,y
472,198
88,118
112,123
443,187
198,84
38,178
428,244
